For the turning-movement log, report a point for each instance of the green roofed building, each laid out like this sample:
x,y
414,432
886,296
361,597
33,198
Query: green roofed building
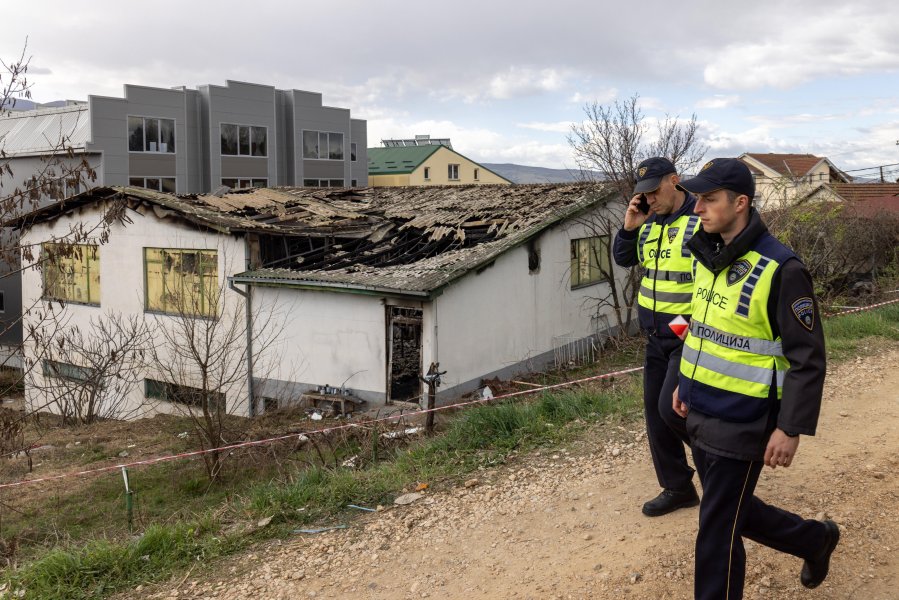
x,y
426,165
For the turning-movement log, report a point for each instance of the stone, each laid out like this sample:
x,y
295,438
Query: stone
x,y
471,483
408,498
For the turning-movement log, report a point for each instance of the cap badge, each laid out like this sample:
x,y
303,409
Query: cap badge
x,y
738,271
707,165
641,172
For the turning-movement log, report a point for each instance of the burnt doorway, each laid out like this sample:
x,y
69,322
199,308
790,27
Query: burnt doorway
x,y
403,353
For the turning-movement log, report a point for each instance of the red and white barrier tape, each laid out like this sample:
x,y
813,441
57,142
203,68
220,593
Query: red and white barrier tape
x,y
863,308
171,457
167,458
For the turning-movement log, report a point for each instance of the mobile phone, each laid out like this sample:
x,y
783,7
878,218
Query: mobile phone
x,y
644,204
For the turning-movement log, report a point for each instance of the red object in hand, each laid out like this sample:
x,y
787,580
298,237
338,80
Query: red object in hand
x,y
678,325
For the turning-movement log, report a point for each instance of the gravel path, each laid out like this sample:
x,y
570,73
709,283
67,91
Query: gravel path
x,y
567,523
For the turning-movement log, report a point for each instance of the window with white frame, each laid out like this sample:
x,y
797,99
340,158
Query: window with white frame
x,y
160,184
453,172
151,134
322,145
477,174
427,173
244,140
239,183
589,261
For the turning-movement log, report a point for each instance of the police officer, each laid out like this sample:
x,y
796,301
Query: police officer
x,y
655,235
751,379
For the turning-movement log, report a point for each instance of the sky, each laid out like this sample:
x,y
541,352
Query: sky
x,y
505,80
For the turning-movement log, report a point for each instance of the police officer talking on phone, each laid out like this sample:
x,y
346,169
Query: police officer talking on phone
x,y
658,223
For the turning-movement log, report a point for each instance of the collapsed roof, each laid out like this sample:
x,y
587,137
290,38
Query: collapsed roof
x,y
408,240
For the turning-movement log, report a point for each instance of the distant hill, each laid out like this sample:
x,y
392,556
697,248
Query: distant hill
x,y
25,104
525,174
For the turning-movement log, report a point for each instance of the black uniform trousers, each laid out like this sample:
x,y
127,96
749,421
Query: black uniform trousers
x,y
666,431
729,512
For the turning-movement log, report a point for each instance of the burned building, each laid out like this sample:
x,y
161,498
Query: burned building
x,y
371,286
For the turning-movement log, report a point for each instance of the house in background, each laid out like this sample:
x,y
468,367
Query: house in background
x,y
426,164
371,286
178,140
865,199
786,178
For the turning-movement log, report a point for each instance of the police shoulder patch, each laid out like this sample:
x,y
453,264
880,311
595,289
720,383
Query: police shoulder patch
x,y
804,311
672,233
738,271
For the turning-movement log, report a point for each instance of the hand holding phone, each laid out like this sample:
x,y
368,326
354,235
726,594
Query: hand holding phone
x,y
644,204
636,213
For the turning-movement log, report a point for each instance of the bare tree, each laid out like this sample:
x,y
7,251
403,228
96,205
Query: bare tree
x,y
612,140
204,349
60,171
88,374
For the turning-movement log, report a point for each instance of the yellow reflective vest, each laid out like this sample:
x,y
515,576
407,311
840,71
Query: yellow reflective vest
x,y
668,279
732,364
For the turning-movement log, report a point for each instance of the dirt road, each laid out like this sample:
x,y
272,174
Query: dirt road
x,y
567,524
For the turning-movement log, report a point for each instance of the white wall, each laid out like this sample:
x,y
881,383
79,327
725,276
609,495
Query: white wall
x,y
325,338
122,281
482,324
505,315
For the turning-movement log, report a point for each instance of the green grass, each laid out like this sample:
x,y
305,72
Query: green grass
x,y
197,529
848,334
485,435
101,567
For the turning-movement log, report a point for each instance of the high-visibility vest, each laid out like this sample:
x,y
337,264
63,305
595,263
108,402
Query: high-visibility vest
x,y
667,283
731,357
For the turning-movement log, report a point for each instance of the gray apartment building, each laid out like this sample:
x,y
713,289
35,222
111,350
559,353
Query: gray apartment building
x,y
183,141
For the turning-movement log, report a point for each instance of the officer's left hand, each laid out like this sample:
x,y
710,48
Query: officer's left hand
x,y
781,449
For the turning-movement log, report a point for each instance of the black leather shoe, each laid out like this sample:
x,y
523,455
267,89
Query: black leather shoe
x,y
671,500
815,571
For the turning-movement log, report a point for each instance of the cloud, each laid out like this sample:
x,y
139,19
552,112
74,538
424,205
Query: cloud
x,y
478,144
554,156
838,41
601,96
650,103
464,139
508,84
786,121
718,101
557,127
